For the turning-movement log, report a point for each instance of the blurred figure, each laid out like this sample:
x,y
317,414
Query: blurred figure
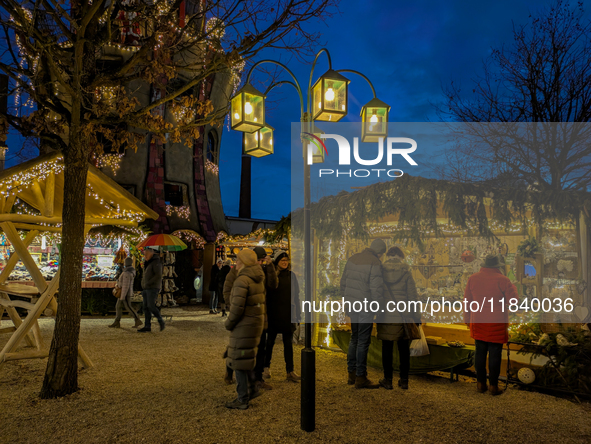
x,y
362,279
125,283
221,279
489,326
281,303
151,284
270,284
245,322
213,287
399,285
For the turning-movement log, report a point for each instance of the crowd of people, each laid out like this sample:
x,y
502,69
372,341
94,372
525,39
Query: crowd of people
x,y
365,277
261,301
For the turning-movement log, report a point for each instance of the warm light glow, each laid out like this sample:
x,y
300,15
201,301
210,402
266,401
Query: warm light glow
x,y
373,121
255,119
329,95
236,116
248,108
319,104
270,141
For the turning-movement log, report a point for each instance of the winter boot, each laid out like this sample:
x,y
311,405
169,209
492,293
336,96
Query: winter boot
x,y
237,404
162,325
137,323
403,384
495,390
143,330
351,380
227,378
264,385
361,382
481,387
293,377
386,383
115,324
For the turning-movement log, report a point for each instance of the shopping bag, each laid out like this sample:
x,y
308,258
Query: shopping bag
x,y
419,347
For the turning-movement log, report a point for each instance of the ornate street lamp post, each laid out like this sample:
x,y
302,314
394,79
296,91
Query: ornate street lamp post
x,y
326,101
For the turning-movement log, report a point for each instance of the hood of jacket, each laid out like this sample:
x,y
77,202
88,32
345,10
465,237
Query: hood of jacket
x,y
394,270
130,270
155,260
255,272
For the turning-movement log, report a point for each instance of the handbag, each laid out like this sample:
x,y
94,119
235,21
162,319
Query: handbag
x,y
117,292
411,330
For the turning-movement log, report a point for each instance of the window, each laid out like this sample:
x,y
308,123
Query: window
x,y
175,194
212,147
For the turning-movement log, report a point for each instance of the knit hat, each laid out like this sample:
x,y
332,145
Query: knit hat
x,y
378,246
247,257
493,261
260,252
280,256
128,262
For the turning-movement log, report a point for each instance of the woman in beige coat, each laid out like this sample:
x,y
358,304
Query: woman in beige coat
x,y
400,286
245,322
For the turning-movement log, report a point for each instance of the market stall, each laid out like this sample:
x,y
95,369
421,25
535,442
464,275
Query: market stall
x,y
38,186
446,230
227,247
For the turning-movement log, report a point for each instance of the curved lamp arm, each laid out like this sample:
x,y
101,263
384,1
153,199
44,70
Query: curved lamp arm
x,y
312,74
288,82
295,83
359,74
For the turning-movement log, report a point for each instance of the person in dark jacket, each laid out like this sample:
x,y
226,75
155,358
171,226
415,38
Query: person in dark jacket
x,y
213,287
151,285
399,285
362,280
489,326
283,305
227,293
125,283
221,279
245,322
270,284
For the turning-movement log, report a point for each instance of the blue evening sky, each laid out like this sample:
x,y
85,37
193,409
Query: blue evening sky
x,y
407,49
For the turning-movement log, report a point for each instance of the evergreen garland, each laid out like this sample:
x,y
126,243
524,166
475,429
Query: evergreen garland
x,y
416,200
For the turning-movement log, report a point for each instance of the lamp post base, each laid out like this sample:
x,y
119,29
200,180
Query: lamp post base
x,y
308,410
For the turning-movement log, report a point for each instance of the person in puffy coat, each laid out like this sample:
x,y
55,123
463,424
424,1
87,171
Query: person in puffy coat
x,y
245,321
362,280
399,286
125,283
489,325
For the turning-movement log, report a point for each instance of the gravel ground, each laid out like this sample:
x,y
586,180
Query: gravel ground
x,y
167,388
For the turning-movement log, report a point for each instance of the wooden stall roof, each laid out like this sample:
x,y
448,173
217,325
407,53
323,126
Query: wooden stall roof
x,y
40,183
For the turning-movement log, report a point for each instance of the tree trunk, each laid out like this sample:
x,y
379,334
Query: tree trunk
x,y
61,374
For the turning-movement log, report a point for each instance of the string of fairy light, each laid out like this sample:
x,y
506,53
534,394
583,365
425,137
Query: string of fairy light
x,y
184,211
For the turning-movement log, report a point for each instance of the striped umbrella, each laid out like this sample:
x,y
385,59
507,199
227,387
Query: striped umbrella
x,y
164,241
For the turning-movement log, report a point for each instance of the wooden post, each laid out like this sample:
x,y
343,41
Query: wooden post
x,y
40,201
26,325
9,203
13,259
49,195
16,320
21,250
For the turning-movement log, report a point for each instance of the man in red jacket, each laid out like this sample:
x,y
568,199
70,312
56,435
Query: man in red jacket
x,y
486,301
